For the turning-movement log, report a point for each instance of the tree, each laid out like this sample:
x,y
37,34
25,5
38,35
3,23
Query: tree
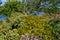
x,y
48,6
10,7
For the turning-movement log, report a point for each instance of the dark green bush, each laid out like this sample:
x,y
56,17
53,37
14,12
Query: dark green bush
x,y
55,23
10,7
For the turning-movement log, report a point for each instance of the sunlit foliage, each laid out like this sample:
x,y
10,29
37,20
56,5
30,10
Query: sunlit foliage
x,y
15,19
37,25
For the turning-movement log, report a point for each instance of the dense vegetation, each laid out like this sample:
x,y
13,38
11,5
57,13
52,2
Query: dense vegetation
x,y
18,22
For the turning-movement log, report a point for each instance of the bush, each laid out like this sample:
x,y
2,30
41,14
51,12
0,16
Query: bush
x,y
13,35
10,7
6,33
15,19
4,26
37,25
9,35
55,23
46,26
2,36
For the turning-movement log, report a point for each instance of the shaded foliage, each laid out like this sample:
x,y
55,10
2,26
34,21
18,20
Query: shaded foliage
x,y
10,7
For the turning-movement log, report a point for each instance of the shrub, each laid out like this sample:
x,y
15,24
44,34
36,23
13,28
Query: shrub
x,y
9,35
5,26
15,19
46,26
2,36
13,35
10,7
55,23
37,25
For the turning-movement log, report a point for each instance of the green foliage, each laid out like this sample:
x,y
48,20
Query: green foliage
x,y
13,35
40,5
17,24
37,25
6,33
2,36
9,35
4,26
55,23
10,7
15,19
43,26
